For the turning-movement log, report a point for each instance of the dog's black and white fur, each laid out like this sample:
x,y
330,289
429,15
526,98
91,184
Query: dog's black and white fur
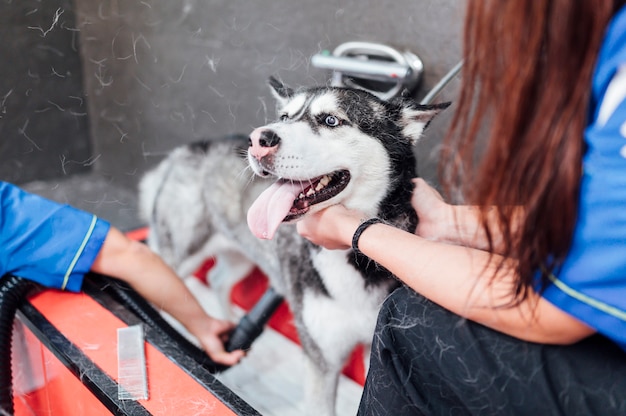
x,y
350,148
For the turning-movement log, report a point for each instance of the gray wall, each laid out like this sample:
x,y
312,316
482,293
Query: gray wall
x,y
93,93
43,112
160,73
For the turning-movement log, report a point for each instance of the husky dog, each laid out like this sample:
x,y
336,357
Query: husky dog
x,y
329,146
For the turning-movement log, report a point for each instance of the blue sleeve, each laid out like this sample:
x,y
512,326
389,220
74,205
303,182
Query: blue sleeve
x,y
612,56
49,243
591,284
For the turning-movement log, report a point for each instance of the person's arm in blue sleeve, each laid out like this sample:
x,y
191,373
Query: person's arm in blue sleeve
x,y
57,245
134,263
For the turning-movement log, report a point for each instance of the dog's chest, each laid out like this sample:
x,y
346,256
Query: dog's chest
x,y
344,282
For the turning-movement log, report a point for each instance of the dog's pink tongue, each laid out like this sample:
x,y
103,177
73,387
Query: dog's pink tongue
x,y
271,208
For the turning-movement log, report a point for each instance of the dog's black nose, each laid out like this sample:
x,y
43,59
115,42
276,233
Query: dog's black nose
x,y
269,139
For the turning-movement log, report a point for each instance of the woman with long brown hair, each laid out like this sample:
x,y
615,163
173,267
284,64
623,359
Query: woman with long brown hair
x,y
516,302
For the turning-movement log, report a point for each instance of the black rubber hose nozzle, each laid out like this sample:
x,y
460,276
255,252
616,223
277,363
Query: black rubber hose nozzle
x,y
252,324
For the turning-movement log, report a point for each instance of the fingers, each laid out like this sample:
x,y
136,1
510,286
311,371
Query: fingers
x,y
227,358
214,347
331,227
302,228
312,228
431,209
214,342
422,188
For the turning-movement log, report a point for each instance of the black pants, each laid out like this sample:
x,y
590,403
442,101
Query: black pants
x,y
428,361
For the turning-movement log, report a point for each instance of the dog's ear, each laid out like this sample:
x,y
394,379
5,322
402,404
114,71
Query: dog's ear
x,y
280,91
414,118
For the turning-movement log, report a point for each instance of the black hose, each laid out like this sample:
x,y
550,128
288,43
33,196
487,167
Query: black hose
x,y
13,290
127,296
253,323
248,329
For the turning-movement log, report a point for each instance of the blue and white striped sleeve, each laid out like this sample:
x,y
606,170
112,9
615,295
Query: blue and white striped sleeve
x,y
49,243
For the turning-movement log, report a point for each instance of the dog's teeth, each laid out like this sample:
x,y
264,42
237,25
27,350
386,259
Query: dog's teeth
x,y
319,186
310,192
324,181
301,195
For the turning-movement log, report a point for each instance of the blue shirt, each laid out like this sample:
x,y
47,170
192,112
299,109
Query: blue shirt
x,y
591,285
49,243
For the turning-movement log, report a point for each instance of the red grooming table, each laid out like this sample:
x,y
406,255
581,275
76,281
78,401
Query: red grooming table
x,y
64,361
66,364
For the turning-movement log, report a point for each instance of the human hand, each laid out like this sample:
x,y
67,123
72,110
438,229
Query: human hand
x,y
332,227
215,333
434,214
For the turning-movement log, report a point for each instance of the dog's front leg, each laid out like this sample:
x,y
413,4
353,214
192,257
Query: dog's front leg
x,y
320,389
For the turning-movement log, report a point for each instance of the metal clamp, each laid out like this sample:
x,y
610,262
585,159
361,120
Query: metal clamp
x,y
377,68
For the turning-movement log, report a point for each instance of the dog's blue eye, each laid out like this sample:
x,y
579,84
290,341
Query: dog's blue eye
x,y
332,121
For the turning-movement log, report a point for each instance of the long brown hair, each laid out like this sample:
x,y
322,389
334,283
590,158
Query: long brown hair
x,y
517,136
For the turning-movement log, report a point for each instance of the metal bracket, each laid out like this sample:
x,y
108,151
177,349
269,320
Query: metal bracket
x,y
379,69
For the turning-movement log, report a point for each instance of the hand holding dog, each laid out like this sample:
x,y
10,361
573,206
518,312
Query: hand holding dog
x,y
454,224
434,214
334,226
331,228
